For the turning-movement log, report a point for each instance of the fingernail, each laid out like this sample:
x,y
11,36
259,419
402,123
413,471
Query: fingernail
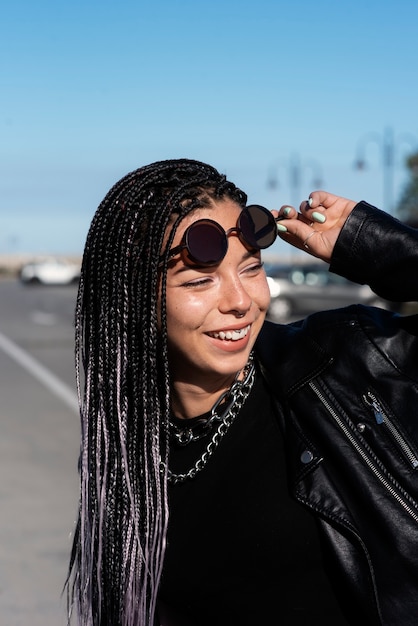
x,y
318,217
282,228
310,201
287,210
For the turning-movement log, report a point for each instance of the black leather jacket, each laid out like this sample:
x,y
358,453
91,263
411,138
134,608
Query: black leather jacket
x,y
346,382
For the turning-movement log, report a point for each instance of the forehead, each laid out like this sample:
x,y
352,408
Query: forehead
x,y
225,212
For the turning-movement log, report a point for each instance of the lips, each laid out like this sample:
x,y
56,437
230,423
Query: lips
x,y
231,335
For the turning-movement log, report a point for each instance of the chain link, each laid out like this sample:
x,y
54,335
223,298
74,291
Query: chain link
x,y
239,392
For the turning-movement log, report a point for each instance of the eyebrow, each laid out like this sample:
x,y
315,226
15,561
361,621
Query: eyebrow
x,y
195,266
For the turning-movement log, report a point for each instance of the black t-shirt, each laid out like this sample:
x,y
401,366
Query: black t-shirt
x,y
240,551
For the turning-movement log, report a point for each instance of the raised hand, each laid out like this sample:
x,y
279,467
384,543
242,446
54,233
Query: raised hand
x,y
315,228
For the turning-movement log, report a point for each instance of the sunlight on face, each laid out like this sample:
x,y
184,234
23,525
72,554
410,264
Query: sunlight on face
x,y
214,314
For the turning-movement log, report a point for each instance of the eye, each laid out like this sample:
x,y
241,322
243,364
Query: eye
x,y
203,281
254,268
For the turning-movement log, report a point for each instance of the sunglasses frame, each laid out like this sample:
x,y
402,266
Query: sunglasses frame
x,y
224,234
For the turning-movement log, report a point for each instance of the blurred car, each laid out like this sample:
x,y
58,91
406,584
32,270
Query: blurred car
x,y
306,288
50,271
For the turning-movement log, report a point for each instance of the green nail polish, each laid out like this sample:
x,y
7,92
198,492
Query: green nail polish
x,y
282,228
318,217
287,210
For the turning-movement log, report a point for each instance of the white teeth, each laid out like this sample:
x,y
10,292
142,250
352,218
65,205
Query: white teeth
x,y
232,335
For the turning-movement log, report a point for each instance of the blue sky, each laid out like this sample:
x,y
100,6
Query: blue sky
x,y
91,90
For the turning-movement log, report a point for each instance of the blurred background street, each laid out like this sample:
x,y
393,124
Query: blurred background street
x,y
39,434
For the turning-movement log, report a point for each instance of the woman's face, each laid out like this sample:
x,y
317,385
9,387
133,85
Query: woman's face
x,y
214,314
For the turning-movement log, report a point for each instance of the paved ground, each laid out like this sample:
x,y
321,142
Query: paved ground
x,y
38,497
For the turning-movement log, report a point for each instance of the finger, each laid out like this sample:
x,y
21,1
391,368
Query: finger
x,y
315,240
306,241
309,240
297,230
326,200
287,212
320,198
313,214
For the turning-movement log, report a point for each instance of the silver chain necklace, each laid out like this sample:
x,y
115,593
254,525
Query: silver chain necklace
x,y
232,401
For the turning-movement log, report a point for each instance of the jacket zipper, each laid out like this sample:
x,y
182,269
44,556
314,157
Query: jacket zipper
x,y
366,458
382,417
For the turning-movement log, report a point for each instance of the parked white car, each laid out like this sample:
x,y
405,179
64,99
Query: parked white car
x,y
50,271
308,287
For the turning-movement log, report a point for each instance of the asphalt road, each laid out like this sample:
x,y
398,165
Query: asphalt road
x,y
39,439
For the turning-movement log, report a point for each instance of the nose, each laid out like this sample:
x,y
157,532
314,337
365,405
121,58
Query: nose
x,y
234,297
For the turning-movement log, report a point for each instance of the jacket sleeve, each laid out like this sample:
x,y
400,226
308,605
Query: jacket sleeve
x,y
377,249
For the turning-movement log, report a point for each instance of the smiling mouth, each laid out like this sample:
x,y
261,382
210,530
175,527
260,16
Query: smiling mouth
x,y
231,335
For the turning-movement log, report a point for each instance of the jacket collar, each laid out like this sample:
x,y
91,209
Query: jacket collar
x,y
295,353
383,327
290,355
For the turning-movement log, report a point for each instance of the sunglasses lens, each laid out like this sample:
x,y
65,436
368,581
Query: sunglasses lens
x,y
258,226
206,242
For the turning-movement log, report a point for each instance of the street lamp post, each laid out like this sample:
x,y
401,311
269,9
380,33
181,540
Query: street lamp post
x,y
295,168
387,144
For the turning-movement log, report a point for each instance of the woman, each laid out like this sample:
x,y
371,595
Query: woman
x,y
234,471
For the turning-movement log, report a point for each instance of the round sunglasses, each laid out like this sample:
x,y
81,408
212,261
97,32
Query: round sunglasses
x,y
206,241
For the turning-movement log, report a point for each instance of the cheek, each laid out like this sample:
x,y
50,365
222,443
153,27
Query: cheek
x,y
186,310
267,295
261,294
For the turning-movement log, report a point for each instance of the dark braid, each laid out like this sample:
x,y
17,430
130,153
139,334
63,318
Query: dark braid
x,y
123,386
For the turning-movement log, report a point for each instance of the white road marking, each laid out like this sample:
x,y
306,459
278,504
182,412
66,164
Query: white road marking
x,y
36,369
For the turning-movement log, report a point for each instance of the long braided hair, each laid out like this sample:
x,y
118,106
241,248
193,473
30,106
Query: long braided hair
x,y
123,386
